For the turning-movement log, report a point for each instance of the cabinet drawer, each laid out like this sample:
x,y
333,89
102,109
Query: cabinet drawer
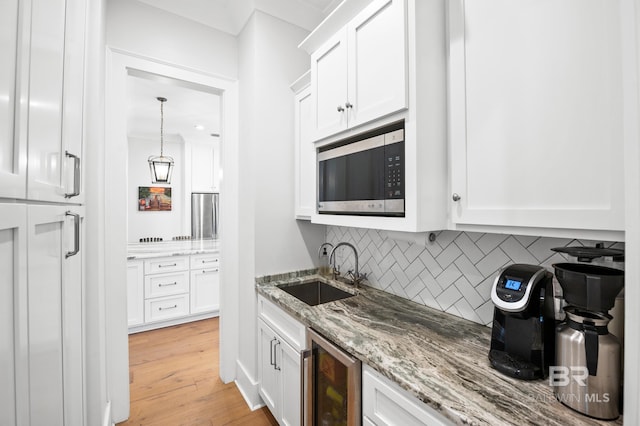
x,y
290,329
164,308
166,284
385,403
205,261
166,264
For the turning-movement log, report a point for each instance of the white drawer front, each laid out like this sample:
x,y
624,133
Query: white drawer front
x,y
385,403
205,261
161,265
290,329
166,284
164,308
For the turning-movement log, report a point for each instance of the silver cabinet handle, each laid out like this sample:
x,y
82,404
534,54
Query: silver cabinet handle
x,y
275,356
76,175
348,105
209,271
455,197
168,284
76,237
167,307
340,109
271,362
210,261
167,266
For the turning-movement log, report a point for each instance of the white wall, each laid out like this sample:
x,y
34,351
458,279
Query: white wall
x,y
272,240
164,224
138,28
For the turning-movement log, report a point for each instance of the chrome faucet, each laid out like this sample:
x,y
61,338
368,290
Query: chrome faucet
x,y
355,275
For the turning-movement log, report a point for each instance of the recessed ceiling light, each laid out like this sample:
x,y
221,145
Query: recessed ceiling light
x,y
199,127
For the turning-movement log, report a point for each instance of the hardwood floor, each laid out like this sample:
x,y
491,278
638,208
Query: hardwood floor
x,y
174,380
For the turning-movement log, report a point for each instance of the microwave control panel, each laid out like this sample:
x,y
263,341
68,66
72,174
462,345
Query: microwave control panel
x,y
394,170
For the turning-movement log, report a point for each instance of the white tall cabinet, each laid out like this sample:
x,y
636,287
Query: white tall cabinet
x,y
41,244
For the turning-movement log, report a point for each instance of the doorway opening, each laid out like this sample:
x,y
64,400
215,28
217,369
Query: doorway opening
x,y
132,135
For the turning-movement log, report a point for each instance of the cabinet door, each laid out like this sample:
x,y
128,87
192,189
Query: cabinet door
x,y
384,403
305,163
55,315
329,87
536,114
55,99
135,293
268,376
377,61
205,290
13,29
288,359
202,178
14,391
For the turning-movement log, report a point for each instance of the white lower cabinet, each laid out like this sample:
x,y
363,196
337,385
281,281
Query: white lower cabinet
x,y
135,293
385,403
165,308
205,290
171,290
41,315
281,340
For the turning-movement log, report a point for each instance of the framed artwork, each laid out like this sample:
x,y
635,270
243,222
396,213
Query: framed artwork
x,y
154,198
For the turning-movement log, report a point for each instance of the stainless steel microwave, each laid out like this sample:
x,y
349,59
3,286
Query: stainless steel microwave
x,y
363,175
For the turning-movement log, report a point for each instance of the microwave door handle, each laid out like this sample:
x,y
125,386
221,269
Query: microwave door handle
x,y
304,392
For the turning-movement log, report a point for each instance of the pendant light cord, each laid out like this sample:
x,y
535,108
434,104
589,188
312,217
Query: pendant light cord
x,y
162,101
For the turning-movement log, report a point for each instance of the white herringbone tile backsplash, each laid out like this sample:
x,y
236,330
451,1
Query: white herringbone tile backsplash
x,y
454,273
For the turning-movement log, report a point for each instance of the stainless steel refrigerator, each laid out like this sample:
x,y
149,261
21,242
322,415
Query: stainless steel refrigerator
x,y
204,215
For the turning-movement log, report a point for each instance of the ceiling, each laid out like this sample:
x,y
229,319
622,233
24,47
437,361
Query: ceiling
x,y
230,16
188,105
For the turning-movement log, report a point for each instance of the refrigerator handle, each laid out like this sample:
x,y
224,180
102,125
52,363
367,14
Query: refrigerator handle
x,y
76,232
303,389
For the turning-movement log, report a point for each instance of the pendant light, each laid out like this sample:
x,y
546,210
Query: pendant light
x,y
161,167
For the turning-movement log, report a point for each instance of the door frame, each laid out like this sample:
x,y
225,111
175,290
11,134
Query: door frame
x,y
118,65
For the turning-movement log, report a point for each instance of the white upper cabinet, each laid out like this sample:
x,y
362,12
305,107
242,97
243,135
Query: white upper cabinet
x,y
329,80
202,168
12,144
377,62
305,151
536,128
55,101
359,73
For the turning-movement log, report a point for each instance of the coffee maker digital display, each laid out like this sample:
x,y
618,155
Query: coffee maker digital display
x,y
512,284
522,335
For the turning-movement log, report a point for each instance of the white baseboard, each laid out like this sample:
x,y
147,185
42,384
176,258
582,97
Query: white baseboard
x,y
248,387
106,418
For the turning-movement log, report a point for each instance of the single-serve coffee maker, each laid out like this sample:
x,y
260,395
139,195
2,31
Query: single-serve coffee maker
x,y
523,332
586,375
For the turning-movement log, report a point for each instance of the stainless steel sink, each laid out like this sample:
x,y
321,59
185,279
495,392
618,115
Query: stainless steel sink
x,y
316,292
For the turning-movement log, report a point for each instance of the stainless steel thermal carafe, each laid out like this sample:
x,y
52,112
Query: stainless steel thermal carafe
x,y
586,376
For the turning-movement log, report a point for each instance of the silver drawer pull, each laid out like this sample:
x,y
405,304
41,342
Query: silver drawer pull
x,y
167,266
209,271
210,261
167,284
167,307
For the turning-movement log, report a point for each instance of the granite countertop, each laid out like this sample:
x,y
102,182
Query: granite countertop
x,y
171,248
438,357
